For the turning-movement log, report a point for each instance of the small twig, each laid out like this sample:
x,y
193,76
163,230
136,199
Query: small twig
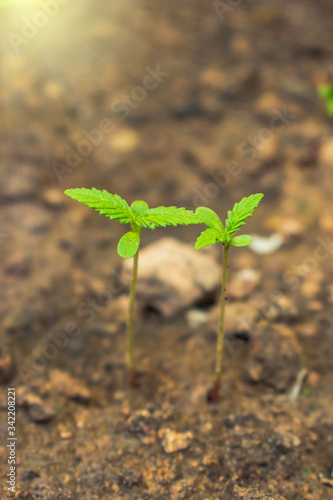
x,y
326,481
297,387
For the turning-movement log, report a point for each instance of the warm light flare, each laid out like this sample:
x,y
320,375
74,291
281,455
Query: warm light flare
x,y
13,3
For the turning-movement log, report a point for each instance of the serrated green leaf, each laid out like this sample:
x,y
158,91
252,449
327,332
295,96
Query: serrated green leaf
x,y
241,241
128,245
110,205
208,237
166,216
209,217
139,207
241,211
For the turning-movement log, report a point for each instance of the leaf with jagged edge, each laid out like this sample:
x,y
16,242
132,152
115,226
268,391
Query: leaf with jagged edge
x,y
110,205
166,216
139,214
208,237
240,213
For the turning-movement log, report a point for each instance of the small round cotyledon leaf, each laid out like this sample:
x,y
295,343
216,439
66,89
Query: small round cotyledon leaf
x,y
241,241
128,245
209,217
139,207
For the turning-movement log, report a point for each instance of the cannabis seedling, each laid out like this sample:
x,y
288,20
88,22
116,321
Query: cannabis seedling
x,y
139,216
215,233
325,91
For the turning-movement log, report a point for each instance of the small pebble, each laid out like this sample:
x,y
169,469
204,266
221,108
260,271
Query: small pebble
x,y
41,412
65,434
175,441
53,198
72,387
266,245
196,317
38,409
326,222
313,379
212,78
308,330
310,288
124,141
141,422
18,264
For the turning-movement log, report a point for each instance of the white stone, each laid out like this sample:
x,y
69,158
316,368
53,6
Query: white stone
x,y
263,245
173,276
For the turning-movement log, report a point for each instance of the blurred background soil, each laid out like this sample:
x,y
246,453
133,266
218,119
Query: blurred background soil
x,y
178,103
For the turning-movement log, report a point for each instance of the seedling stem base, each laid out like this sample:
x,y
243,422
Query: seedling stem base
x,y
214,394
130,320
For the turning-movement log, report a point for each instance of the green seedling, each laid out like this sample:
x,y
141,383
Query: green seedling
x,y
325,91
139,216
215,233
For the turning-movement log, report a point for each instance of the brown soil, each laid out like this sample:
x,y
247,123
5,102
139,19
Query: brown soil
x,y
82,433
